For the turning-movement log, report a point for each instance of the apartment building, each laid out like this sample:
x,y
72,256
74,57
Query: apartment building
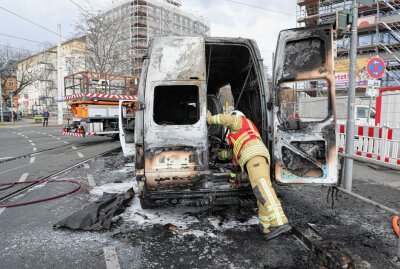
x,y
42,93
143,19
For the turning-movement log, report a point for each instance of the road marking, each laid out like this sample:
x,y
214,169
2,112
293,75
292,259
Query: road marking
x,y
44,133
91,180
86,166
50,135
110,255
80,154
65,142
30,141
73,147
34,149
32,160
2,210
3,158
23,177
13,132
19,133
32,144
58,138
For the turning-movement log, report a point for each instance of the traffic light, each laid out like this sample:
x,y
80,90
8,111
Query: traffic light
x,y
344,19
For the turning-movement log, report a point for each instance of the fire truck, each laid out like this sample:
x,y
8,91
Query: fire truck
x,y
93,102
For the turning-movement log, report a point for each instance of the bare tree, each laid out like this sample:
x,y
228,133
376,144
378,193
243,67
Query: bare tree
x,y
108,49
10,66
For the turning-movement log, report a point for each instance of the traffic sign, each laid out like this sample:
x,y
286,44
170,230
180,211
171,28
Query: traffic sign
x,y
376,67
373,87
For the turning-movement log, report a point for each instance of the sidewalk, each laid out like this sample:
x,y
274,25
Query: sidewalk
x,y
29,122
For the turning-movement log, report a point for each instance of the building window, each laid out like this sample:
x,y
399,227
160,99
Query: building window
x,y
176,105
11,83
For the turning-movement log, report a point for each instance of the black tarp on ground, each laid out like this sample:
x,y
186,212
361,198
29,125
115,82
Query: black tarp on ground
x,y
98,215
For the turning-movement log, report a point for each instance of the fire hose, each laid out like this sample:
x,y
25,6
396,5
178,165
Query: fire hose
x,y
11,184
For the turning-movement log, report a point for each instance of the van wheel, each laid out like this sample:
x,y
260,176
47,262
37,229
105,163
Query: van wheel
x,y
146,203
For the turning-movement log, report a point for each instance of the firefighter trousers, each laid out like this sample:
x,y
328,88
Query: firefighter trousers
x,y
270,212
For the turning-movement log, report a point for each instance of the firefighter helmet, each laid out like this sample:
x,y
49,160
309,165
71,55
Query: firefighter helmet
x,y
237,112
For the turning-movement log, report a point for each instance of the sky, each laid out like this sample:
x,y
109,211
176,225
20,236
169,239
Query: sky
x,y
226,18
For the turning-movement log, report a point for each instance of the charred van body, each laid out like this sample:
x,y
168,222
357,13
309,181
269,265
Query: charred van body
x,y
182,78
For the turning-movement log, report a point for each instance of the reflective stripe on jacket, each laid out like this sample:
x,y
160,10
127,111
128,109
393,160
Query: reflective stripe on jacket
x,y
247,132
249,148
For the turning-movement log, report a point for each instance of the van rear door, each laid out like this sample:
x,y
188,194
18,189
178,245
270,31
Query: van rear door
x,y
175,129
126,125
304,145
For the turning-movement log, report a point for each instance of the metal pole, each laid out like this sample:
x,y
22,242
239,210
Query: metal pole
x,y
394,167
368,201
1,101
348,164
377,30
369,109
12,109
59,79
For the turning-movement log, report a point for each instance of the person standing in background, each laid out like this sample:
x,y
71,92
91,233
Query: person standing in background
x,y
45,116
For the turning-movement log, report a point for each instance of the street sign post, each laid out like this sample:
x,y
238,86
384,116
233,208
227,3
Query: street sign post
x,y
376,67
373,87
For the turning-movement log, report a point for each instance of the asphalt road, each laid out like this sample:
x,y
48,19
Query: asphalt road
x,y
37,152
208,237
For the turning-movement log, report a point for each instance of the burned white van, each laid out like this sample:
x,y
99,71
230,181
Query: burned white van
x,y
181,80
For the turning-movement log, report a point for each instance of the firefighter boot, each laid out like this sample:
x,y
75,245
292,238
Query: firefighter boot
x,y
276,231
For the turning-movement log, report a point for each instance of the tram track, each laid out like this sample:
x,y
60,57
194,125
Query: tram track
x,y
22,189
28,155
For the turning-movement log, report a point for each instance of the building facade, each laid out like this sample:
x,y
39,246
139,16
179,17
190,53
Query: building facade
x,y
42,69
378,35
144,19
10,86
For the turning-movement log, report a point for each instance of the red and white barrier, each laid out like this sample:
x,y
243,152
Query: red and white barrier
x,y
99,95
78,134
72,134
378,143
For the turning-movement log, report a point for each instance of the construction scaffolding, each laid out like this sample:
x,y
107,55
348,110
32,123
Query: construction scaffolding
x,y
378,30
148,18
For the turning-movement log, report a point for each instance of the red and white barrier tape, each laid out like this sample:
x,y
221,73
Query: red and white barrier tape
x,y
100,95
78,134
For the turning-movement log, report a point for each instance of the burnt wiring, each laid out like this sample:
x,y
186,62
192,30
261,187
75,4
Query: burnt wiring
x,y
333,192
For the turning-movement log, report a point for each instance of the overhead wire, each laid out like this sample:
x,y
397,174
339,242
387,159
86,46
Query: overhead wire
x,y
4,45
267,9
22,38
30,21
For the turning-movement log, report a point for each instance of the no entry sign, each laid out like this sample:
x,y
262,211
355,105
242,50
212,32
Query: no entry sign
x,y
376,67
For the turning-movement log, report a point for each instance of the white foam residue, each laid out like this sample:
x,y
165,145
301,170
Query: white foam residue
x,y
199,233
148,217
123,170
114,188
233,224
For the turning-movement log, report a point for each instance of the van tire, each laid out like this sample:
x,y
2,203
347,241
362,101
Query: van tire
x,y
146,203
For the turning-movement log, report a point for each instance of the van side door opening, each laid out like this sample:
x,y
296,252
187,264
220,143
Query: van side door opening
x,y
235,65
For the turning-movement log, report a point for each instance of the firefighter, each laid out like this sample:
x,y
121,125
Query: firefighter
x,y
248,150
